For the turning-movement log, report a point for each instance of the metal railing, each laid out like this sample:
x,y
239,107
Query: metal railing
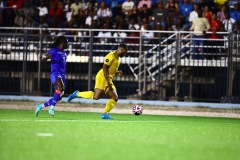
x,y
167,66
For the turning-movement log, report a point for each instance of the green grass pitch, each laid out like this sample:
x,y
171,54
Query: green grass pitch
x,y
84,136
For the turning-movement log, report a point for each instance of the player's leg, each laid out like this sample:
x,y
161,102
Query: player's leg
x,y
98,91
112,94
59,91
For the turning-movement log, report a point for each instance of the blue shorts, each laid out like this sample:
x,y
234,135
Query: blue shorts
x,y
55,76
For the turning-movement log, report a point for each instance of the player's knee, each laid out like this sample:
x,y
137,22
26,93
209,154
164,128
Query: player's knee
x,y
115,98
96,97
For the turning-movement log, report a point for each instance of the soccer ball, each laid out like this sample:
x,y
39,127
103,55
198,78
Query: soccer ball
x,y
137,110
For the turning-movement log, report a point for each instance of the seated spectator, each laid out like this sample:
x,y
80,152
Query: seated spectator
x,y
90,18
89,8
28,10
19,19
119,37
127,7
56,17
144,15
18,4
104,39
76,6
116,7
103,13
134,24
159,17
173,12
148,3
134,14
146,34
179,26
43,10
185,8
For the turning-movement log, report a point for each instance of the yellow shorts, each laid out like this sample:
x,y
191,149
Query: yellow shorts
x,y
101,83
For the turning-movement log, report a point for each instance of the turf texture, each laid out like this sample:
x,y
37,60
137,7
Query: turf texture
x,y
84,136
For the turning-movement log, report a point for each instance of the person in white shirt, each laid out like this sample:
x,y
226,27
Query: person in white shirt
x,y
193,14
43,10
104,38
104,11
90,18
127,7
77,6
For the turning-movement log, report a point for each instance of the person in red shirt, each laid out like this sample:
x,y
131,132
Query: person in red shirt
x,y
56,16
215,26
18,4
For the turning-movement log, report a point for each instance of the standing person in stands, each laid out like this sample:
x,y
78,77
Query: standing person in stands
x,y
104,81
200,25
57,75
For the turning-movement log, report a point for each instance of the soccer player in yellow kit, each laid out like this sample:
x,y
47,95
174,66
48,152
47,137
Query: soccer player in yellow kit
x,y
104,81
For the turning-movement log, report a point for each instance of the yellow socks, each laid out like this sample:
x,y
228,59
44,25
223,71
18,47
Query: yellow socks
x,y
109,106
86,94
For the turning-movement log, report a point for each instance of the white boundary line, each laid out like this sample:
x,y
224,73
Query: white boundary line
x,y
113,121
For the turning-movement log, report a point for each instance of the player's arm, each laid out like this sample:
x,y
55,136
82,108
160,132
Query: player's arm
x,y
45,57
106,75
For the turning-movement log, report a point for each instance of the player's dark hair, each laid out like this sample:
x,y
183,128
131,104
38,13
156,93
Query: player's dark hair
x,y
58,41
123,45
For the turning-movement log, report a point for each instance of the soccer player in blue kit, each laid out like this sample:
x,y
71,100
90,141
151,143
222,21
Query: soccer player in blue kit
x,y
57,75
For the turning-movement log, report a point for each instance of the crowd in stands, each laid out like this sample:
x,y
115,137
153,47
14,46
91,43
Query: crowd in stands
x,y
171,15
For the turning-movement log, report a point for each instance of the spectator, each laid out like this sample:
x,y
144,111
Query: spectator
x,y
200,25
207,14
127,7
91,17
104,38
179,26
56,17
146,34
103,13
134,24
144,15
221,14
215,25
18,4
119,35
160,17
193,14
28,10
144,2
228,23
19,19
173,12
43,10
89,8
77,6
185,8
235,14
116,7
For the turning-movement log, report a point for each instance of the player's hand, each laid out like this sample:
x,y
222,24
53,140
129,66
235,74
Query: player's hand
x,y
120,72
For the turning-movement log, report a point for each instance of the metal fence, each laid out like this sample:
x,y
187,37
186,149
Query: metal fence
x,y
160,65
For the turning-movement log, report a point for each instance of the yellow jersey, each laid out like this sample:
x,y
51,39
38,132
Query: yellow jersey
x,y
113,61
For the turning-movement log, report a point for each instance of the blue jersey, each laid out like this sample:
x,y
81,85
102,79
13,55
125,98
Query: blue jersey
x,y
58,61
